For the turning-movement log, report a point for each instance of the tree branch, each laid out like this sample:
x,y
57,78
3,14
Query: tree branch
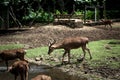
x,y
14,17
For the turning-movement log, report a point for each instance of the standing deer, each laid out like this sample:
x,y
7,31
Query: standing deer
x,y
107,23
12,54
70,43
19,68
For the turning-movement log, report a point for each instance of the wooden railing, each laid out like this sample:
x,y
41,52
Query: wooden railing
x,y
70,20
67,16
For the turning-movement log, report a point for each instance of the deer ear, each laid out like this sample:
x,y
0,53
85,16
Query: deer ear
x,y
49,44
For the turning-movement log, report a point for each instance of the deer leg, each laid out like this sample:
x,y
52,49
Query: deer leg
x,y
89,52
69,56
15,77
106,26
63,56
6,62
26,75
22,76
83,49
22,57
110,26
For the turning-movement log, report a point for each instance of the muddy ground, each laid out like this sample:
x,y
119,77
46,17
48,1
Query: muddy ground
x,y
41,34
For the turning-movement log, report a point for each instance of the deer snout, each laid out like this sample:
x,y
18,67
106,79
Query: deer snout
x,y
50,50
9,69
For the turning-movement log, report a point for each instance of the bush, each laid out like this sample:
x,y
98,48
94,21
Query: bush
x,y
78,12
112,14
90,14
57,12
39,16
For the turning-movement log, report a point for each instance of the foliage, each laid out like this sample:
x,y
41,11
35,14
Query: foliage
x,y
78,12
90,14
57,12
112,14
39,16
26,10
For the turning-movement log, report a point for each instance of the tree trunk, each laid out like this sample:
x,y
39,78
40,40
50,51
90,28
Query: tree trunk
x,y
4,12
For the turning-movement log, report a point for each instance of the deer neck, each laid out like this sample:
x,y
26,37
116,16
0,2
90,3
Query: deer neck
x,y
57,46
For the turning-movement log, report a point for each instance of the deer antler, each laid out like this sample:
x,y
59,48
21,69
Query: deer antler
x,y
51,42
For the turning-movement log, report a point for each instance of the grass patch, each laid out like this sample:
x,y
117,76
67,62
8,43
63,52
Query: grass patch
x,y
31,53
11,46
104,53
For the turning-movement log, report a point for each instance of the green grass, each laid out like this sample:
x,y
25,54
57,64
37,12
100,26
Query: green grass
x,y
10,46
31,53
101,55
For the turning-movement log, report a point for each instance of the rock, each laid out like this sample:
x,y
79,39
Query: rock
x,y
107,47
38,59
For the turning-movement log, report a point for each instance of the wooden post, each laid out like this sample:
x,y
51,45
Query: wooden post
x,y
95,13
104,11
85,14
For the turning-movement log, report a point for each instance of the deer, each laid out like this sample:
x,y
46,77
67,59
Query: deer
x,y
42,77
70,43
19,68
107,23
12,54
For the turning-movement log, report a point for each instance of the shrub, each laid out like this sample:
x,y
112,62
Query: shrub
x,y
90,14
39,16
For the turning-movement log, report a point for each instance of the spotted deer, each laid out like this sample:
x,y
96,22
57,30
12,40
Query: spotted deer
x,y
12,54
70,43
107,23
19,68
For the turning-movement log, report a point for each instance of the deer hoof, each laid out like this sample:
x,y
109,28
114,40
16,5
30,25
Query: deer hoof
x,y
90,57
80,60
65,62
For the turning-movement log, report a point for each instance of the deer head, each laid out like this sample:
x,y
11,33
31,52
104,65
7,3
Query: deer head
x,y
51,47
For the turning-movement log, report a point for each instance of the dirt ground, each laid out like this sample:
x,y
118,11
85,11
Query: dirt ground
x,y
40,35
